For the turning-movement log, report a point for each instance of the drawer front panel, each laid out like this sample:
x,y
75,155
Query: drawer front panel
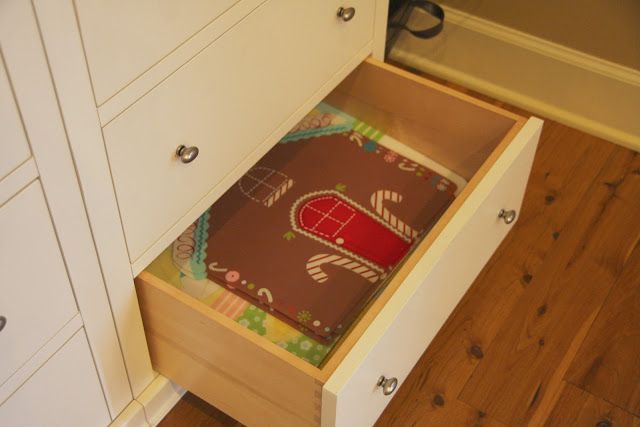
x,y
409,321
224,363
63,392
225,101
35,294
13,143
124,38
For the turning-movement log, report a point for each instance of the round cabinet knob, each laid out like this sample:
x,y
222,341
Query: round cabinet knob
x,y
508,216
187,154
388,385
346,13
3,322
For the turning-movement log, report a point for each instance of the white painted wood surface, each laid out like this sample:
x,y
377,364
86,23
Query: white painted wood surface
x,y
404,328
186,107
132,416
36,295
40,358
380,29
123,39
247,162
159,398
31,79
170,63
226,101
65,392
68,68
13,143
17,180
66,59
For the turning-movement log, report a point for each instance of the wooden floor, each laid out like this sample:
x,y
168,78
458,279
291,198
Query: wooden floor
x,y
549,333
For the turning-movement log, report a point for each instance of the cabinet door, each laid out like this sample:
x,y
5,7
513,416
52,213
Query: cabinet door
x,y
64,392
35,295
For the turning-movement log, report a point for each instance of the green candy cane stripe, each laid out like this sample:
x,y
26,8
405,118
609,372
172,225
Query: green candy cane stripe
x,y
371,133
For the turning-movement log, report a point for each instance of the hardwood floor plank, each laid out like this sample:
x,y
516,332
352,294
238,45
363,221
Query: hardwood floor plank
x,y
457,349
608,364
193,411
438,412
577,407
515,374
548,400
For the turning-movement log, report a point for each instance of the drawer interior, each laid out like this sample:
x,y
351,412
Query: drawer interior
x,y
455,130
462,134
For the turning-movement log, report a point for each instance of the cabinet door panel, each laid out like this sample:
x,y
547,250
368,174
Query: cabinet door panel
x,y
35,295
64,392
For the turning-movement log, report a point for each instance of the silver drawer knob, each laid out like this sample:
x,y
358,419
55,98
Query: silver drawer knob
x,y
508,216
3,322
388,385
346,13
187,154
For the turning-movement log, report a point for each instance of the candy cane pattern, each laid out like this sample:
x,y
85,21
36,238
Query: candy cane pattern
x,y
264,292
357,138
277,192
214,267
377,201
407,165
316,273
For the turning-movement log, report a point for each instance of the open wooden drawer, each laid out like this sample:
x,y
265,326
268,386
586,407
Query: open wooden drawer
x,y
258,382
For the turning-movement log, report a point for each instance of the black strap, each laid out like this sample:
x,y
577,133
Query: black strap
x,y
398,22
433,10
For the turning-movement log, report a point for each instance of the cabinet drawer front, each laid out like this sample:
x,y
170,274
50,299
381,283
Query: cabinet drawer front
x,y
13,143
224,363
124,38
63,392
409,321
35,294
225,101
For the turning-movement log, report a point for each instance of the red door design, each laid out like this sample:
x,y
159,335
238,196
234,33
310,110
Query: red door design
x,y
335,220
